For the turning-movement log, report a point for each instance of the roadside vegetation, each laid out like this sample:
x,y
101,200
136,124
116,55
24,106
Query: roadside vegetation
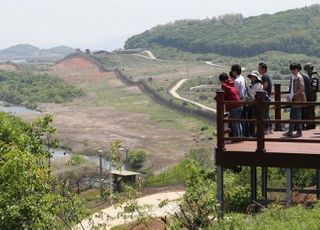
x,y
30,89
199,209
31,198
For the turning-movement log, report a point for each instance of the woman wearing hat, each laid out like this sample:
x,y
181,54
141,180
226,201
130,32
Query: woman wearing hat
x,y
254,88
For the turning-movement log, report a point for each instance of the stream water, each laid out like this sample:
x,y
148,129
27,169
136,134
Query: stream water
x,y
15,109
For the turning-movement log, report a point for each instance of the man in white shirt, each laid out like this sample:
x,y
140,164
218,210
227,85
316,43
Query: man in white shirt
x,y
240,85
239,81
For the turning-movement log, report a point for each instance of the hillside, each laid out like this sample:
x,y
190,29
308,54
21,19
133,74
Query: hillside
x,y
292,31
21,49
79,61
26,51
63,50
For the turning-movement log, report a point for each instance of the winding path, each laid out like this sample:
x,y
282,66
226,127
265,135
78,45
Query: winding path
x,y
176,95
110,216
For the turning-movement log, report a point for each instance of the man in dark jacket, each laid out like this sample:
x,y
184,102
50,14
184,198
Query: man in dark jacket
x,y
305,110
267,86
311,94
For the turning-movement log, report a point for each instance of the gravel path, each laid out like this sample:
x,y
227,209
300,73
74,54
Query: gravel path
x,y
109,217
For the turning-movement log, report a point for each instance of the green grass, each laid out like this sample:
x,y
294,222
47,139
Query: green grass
x,y
92,201
274,218
124,99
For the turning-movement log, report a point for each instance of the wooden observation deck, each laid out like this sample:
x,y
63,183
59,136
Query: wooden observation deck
x,y
273,150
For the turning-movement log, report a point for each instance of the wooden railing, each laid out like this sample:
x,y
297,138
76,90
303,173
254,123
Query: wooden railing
x,y
260,120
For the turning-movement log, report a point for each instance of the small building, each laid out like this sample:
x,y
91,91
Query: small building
x,y
123,176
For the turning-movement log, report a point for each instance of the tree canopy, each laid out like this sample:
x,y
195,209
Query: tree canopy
x,y
29,197
292,31
29,89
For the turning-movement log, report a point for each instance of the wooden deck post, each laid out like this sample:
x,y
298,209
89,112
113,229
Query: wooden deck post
x,y
220,122
260,120
264,186
318,183
253,171
220,193
277,107
289,186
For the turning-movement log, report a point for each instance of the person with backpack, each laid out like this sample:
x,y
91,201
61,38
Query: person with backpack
x,y
267,86
232,94
305,110
312,93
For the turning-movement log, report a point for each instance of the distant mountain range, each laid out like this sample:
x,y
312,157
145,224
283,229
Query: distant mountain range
x,y
26,51
291,31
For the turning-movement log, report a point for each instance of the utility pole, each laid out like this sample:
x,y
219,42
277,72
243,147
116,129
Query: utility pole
x,y
110,175
100,166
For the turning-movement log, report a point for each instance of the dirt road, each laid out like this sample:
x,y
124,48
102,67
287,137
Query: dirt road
x,y
109,217
150,55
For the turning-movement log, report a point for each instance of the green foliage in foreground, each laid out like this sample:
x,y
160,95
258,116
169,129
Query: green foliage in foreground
x,y
29,197
273,218
29,89
178,174
198,207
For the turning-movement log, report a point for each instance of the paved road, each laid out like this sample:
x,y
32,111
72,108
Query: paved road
x,y
176,95
108,217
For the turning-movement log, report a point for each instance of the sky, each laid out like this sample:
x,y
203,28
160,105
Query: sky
x,y
106,24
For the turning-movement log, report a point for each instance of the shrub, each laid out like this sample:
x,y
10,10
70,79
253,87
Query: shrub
x,y
238,198
203,128
198,207
136,158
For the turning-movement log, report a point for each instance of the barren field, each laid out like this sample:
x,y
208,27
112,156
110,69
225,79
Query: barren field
x,y
8,67
110,110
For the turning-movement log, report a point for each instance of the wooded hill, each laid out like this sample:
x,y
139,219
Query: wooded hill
x,y
292,31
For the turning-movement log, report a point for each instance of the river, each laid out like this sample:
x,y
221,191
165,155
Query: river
x,y
16,109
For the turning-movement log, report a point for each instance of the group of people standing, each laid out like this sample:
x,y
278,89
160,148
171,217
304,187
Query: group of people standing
x,y
303,87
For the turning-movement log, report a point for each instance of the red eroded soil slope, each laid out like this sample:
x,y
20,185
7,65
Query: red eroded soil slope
x,y
79,63
75,64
